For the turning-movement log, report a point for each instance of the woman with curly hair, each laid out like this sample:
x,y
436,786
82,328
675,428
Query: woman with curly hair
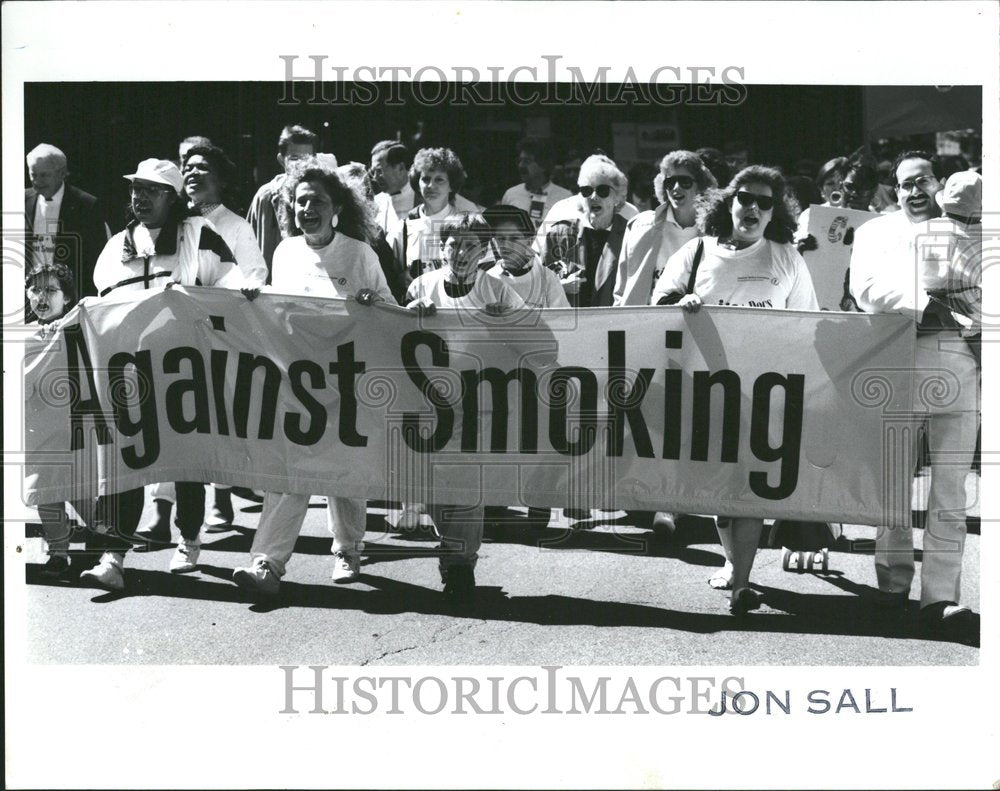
x,y
327,255
744,259
438,175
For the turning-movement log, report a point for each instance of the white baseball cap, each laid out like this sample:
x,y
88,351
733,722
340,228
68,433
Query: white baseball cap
x,y
962,194
160,171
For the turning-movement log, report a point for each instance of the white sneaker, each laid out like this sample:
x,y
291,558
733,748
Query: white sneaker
x,y
185,557
107,573
346,567
258,578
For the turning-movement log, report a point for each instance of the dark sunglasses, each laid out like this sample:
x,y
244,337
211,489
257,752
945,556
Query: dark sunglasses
x,y
602,190
765,202
686,182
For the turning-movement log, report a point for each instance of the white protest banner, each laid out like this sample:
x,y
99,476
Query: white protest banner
x,y
833,228
728,411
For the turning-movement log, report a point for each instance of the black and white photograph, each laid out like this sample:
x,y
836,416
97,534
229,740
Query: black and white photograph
x,y
466,369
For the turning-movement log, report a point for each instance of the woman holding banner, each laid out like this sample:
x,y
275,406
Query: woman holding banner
x,y
745,259
159,247
326,256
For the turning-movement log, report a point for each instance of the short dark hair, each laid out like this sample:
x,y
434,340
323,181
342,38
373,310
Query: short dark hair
x,y
916,154
65,276
293,133
220,162
464,224
716,164
541,149
395,152
865,171
510,214
835,165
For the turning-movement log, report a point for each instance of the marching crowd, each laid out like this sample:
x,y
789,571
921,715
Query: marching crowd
x,y
699,229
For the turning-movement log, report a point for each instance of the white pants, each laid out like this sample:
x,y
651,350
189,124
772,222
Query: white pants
x,y
951,419
281,522
461,531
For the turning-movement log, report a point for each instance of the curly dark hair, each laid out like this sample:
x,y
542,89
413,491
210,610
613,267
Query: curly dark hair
x,y
715,206
62,273
221,164
429,159
354,218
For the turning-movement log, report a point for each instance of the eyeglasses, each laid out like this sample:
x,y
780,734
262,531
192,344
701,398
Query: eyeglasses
x,y
148,190
602,190
921,181
49,291
686,182
765,202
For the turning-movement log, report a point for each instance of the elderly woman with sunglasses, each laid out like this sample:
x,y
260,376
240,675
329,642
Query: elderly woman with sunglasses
x,y
744,259
583,248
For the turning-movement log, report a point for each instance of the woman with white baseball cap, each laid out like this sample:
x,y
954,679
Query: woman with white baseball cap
x,y
159,247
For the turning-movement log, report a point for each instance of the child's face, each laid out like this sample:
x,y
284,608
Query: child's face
x,y
46,298
462,254
514,244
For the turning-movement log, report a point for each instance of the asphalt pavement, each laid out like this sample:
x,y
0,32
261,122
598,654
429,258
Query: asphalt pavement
x,y
601,592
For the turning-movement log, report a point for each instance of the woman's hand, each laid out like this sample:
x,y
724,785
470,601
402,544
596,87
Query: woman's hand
x,y
250,293
367,296
573,281
423,307
691,303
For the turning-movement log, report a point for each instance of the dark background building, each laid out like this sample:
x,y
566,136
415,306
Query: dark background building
x,y
105,129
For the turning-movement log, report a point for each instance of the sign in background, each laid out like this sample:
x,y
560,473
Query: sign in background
x,y
834,229
728,411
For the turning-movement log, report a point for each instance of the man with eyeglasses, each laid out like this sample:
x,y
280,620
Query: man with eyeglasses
x,y
270,222
159,247
894,269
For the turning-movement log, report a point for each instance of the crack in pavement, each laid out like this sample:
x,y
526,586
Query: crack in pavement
x,y
458,629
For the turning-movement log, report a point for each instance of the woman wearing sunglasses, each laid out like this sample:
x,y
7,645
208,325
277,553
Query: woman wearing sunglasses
x,y
653,236
745,259
583,249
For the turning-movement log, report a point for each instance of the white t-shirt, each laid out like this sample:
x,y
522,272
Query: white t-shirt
x,y
429,287
765,275
341,269
539,287
543,201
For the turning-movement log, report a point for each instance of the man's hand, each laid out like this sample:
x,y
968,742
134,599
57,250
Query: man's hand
x,y
691,303
250,293
496,309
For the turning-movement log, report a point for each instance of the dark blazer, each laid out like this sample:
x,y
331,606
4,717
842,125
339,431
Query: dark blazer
x,y
81,237
566,241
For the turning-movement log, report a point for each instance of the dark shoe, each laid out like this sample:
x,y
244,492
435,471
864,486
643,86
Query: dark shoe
x,y
743,601
459,580
893,601
159,531
945,618
247,494
539,517
640,519
56,566
221,517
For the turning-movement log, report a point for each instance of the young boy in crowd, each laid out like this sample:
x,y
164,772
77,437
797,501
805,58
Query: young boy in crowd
x,y
51,293
518,265
461,284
